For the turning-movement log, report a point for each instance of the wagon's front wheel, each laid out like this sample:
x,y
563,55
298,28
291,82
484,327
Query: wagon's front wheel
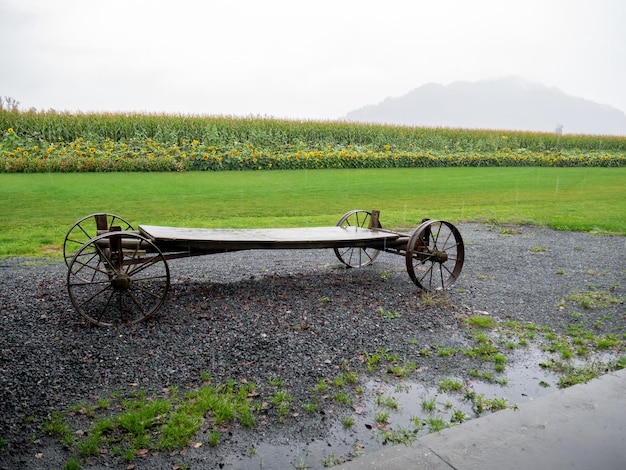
x,y
118,277
356,257
87,228
434,255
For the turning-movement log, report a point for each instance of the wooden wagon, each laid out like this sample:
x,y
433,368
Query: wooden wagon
x,y
118,274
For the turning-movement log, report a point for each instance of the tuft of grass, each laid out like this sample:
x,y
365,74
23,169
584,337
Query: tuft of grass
x,y
593,299
388,314
481,321
447,385
348,421
429,405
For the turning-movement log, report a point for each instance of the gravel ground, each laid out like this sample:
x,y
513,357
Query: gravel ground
x,y
257,315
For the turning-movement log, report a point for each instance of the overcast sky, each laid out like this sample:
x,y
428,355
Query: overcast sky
x,y
298,58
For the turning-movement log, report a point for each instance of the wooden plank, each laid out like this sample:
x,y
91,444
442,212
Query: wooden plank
x,y
277,238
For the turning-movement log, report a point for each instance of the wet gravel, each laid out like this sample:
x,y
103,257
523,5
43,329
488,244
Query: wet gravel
x,y
292,315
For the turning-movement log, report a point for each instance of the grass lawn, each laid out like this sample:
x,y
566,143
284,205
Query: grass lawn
x,y
38,209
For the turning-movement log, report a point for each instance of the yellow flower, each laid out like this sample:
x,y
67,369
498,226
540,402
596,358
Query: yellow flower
x,y
10,130
92,150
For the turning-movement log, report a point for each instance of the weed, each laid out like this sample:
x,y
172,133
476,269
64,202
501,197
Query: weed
x,y
487,376
310,407
575,375
496,404
593,299
350,377
436,424
72,464
89,447
425,352
330,461
458,416
387,402
446,352
509,231
388,314
401,435
381,417
321,386
348,422
447,385
538,249
401,370
338,382
300,463
481,321
607,341
429,404
214,438
325,300
275,382
57,427
371,361
342,397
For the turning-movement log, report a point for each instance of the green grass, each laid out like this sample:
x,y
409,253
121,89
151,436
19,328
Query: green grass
x,y
38,209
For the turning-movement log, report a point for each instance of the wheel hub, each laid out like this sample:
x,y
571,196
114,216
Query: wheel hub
x,y
440,256
121,281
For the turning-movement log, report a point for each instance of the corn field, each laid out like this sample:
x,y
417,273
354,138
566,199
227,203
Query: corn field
x,y
65,142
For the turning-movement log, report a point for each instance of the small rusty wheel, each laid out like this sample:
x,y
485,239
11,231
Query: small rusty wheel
x,y
356,257
118,277
87,228
435,255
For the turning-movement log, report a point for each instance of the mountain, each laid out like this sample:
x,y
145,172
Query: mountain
x,y
507,103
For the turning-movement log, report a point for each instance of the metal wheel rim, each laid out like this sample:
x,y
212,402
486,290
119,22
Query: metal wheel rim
x,y
435,255
356,257
108,289
85,229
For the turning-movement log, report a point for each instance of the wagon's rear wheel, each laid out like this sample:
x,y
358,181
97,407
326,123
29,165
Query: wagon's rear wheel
x,y
357,257
118,277
435,255
87,228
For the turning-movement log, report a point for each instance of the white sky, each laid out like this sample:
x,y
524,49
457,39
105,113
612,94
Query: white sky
x,y
298,58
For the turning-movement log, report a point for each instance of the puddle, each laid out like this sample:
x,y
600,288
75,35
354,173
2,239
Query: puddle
x,y
406,420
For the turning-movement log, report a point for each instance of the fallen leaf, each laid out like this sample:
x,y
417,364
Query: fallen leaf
x,y
197,444
38,455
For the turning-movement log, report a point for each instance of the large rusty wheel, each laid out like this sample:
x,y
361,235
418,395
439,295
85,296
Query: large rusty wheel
x,y
356,257
87,228
435,255
118,277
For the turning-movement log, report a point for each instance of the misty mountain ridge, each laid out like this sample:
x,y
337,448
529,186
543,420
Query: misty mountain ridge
x,y
510,103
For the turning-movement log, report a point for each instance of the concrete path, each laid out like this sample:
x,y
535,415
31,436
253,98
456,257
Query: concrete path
x,y
582,427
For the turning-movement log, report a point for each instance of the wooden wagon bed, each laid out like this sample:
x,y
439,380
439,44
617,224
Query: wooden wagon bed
x,y
206,239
